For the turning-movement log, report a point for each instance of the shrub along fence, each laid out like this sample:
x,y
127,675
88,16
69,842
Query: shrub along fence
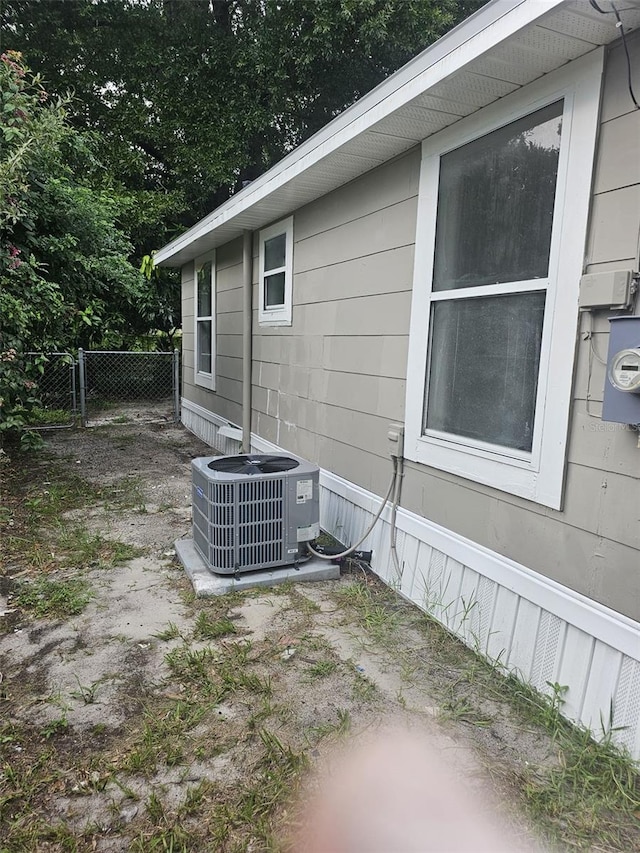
x,y
57,391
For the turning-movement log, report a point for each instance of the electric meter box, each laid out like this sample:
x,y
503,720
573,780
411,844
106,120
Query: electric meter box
x,y
621,401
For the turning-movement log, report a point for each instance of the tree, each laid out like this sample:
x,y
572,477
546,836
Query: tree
x,y
162,109
65,276
191,98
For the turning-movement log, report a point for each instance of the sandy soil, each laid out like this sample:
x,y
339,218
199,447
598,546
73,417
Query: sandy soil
x,y
106,668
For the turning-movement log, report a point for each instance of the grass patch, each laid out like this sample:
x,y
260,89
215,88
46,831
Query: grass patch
x,y
216,672
210,628
163,735
193,669
591,796
55,727
363,688
246,821
75,544
88,693
321,669
36,536
126,493
171,632
44,597
45,417
341,726
464,712
59,491
371,610
587,796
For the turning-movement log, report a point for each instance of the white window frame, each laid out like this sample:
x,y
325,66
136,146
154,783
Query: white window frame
x,y
205,380
538,475
280,315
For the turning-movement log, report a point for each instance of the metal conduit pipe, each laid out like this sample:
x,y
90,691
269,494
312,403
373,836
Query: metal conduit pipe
x,y
355,547
247,332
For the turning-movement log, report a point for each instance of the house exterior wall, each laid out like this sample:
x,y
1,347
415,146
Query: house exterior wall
x,y
553,595
328,386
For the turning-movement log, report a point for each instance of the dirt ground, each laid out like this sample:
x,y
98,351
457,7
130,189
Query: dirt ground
x,y
149,720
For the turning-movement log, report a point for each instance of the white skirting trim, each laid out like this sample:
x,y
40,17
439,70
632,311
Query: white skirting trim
x,y
206,425
534,627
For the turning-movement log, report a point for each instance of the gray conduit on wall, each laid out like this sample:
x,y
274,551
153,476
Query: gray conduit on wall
x,y
247,306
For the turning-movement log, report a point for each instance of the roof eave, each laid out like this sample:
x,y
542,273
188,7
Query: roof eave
x,y
337,153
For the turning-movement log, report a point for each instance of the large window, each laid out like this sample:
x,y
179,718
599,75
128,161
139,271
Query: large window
x,y
276,274
502,218
205,322
491,270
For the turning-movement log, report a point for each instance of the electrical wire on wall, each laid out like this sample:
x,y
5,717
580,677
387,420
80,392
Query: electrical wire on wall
x,y
615,11
593,353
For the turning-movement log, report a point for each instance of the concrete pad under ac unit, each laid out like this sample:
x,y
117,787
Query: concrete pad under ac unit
x,y
205,583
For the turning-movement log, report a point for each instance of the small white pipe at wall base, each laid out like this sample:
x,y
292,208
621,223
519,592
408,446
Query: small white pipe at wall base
x,y
247,332
398,468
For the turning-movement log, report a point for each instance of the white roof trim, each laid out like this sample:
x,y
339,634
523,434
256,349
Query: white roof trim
x,y
320,159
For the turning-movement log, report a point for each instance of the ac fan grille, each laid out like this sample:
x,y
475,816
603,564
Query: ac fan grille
x,y
246,524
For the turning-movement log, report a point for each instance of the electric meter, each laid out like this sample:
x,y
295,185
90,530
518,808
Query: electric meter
x,y
624,370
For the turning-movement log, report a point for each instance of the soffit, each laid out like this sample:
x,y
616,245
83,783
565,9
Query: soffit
x,y
504,46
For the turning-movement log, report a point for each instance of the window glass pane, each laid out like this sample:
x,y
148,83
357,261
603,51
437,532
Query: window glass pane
x,y
204,290
483,374
274,290
204,346
495,204
274,252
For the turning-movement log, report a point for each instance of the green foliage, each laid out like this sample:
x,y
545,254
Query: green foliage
x,y
65,277
18,391
162,109
191,99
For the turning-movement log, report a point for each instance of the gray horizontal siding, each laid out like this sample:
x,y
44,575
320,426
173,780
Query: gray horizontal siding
x,y
614,230
380,231
326,386
226,400
393,183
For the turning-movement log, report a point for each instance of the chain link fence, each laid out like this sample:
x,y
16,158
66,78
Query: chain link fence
x,y
125,386
101,387
57,392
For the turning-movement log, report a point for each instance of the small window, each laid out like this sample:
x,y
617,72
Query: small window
x,y
276,274
205,323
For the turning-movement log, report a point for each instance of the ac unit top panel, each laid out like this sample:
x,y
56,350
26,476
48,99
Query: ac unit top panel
x,y
252,465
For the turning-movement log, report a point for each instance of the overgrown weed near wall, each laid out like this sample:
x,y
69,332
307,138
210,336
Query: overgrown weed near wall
x,y
586,794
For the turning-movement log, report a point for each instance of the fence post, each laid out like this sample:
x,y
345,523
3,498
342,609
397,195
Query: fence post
x,y
74,389
83,385
176,386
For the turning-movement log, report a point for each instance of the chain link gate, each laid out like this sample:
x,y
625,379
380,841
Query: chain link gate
x,y
126,386
57,391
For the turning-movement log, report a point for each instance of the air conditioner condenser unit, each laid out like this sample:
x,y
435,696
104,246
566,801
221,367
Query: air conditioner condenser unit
x,y
253,511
